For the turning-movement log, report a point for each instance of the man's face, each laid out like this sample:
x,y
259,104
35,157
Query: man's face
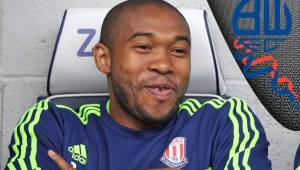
x,y
150,63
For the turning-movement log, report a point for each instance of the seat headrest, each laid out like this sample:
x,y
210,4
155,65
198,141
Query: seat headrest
x,y
73,69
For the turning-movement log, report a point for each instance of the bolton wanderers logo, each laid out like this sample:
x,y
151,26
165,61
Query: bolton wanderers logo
x,y
175,154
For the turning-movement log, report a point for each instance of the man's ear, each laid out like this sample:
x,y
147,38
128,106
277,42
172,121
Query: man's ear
x,y
102,58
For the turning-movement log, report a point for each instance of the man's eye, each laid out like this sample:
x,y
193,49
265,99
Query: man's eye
x,y
143,47
179,51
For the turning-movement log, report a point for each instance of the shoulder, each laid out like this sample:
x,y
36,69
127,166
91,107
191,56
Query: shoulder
x,y
47,112
81,114
37,112
222,106
232,110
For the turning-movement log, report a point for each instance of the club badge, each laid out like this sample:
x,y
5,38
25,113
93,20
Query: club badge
x,y
175,154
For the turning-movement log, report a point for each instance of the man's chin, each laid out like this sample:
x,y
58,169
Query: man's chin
x,y
157,119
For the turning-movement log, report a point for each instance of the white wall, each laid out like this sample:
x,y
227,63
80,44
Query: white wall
x,y
28,31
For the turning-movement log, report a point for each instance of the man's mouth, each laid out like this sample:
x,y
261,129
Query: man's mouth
x,y
161,91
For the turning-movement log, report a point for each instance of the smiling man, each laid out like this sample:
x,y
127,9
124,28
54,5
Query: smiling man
x,y
146,123
147,62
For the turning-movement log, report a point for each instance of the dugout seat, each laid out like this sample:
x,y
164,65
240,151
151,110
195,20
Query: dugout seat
x,y
73,78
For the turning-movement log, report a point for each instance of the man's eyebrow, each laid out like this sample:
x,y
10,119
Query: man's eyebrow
x,y
184,38
137,34
149,34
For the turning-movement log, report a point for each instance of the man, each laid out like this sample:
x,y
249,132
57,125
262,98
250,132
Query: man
x,y
145,123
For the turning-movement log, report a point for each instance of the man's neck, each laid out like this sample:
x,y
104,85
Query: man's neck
x,y
127,119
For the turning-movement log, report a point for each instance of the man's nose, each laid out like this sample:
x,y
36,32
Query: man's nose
x,y
162,63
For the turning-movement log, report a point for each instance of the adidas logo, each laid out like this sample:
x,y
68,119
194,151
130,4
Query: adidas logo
x,y
78,153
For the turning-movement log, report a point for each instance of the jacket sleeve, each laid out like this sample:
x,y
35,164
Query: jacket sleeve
x,y
297,159
38,130
241,141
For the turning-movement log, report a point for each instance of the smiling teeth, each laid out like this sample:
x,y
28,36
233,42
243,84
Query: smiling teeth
x,y
158,89
160,92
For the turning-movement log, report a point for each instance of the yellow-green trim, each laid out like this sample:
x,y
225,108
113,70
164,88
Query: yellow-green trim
x,y
108,106
19,156
192,105
236,136
238,111
84,111
246,116
253,128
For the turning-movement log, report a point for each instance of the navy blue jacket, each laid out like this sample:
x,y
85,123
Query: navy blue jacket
x,y
216,134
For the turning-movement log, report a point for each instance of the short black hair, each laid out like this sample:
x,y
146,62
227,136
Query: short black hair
x,y
112,17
